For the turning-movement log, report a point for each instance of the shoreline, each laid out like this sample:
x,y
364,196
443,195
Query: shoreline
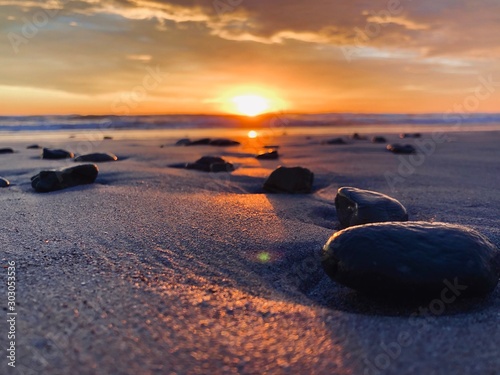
x,y
276,131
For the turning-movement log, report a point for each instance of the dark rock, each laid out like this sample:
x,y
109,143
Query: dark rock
x,y
207,164
396,148
210,164
178,165
183,142
199,142
49,153
6,151
296,180
356,206
358,137
97,157
379,140
4,182
34,147
271,155
335,141
410,135
221,167
53,180
222,142
107,138
412,259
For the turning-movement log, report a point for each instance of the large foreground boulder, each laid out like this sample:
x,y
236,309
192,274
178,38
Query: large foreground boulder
x,y
53,180
356,206
412,258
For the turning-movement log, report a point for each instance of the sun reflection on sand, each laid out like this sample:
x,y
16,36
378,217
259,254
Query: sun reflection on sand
x,y
249,330
252,134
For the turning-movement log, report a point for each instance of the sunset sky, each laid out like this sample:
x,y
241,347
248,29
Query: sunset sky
x,y
194,56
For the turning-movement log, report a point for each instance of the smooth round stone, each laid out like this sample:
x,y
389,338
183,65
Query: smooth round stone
x,y
356,206
410,135
107,138
199,142
34,147
413,259
183,142
379,140
211,164
222,142
53,180
97,157
271,155
358,137
335,141
4,182
396,148
296,180
49,153
207,164
6,150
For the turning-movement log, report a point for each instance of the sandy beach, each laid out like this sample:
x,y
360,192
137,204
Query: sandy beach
x,y
156,270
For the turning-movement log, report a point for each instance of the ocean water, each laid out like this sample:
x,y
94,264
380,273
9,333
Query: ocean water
x,y
24,127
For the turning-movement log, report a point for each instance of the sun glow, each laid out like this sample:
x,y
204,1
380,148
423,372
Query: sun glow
x,y
252,134
251,105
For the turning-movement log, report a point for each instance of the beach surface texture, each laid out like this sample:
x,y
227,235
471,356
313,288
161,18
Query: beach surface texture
x,y
158,270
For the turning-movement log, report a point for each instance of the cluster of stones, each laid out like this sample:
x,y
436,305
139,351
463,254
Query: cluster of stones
x,y
382,253
57,179
395,148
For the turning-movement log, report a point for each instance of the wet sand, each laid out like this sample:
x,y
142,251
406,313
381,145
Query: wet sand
x,y
155,270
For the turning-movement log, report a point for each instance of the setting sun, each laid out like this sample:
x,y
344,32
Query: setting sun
x,y
251,105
